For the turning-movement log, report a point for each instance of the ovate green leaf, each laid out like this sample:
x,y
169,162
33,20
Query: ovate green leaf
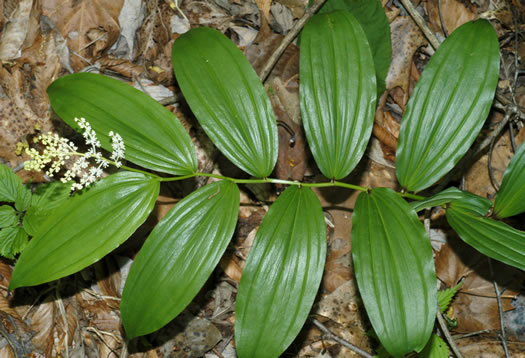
x,y
480,204
448,106
435,348
490,237
227,98
510,199
178,257
153,136
338,91
373,20
394,270
12,190
12,241
8,216
86,228
281,276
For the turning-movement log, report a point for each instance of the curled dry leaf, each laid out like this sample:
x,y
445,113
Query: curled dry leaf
x,y
475,305
406,39
124,67
453,12
76,19
15,32
43,321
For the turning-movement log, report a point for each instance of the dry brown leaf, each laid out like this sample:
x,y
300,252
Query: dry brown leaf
x,y
475,305
453,12
154,33
17,117
489,346
124,67
76,18
43,321
406,39
264,29
477,179
15,32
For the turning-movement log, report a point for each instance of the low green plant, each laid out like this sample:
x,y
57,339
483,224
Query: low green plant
x,y
391,250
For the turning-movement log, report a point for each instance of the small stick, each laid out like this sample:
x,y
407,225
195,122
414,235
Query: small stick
x,y
431,37
447,334
292,34
329,335
466,335
500,310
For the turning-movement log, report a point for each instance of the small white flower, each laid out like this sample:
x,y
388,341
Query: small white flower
x,y
58,150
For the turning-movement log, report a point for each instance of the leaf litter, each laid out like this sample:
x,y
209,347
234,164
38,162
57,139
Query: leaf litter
x,y
78,316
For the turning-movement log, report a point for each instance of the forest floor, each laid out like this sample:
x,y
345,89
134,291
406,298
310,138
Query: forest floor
x,y
78,316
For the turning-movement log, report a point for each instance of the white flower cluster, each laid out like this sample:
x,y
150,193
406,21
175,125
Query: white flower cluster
x,y
57,150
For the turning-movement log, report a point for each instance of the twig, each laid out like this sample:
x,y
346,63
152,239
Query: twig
x,y
500,309
445,32
431,37
329,335
447,334
495,183
294,31
466,335
124,351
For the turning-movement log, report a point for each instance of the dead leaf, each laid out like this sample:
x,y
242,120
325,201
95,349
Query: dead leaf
x,y
15,31
489,346
475,305
406,39
76,18
454,13
43,321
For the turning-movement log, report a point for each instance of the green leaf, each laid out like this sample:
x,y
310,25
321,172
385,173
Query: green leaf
x,y
86,228
227,98
281,276
480,204
8,216
490,237
153,136
46,198
394,270
445,296
12,241
178,257
510,199
373,20
12,190
448,106
435,348
338,91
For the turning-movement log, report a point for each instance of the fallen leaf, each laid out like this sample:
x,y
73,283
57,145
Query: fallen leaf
x,y
75,19
406,39
15,32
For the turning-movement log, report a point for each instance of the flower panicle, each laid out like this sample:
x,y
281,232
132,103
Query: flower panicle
x,y
57,150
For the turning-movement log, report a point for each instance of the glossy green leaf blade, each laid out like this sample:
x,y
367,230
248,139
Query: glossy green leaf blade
x,y
153,136
373,20
227,98
490,237
448,106
510,199
338,91
394,270
480,204
281,276
86,228
178,257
